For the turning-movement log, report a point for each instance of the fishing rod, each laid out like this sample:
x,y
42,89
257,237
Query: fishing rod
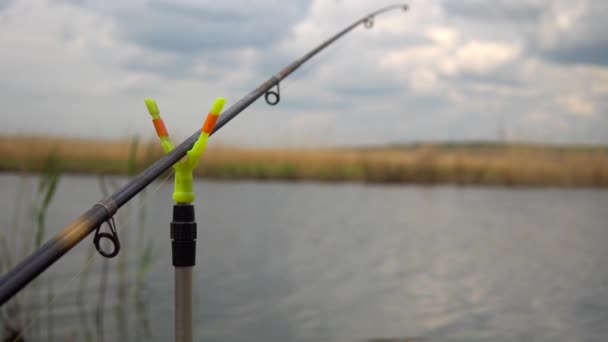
x,y
103,212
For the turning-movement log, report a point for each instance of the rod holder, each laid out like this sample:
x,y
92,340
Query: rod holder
x,y
183,235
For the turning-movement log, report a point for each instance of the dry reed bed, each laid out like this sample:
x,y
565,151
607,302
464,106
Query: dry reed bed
x,y
525,165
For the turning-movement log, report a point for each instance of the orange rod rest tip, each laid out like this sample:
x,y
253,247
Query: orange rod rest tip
x,y
161,130
209,123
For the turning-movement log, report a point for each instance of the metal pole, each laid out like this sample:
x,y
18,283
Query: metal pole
x,y
183,247
28,269
183,304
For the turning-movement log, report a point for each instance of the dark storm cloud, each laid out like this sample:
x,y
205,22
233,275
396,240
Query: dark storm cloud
x,y
174,69
584,52
212,33
585,41
4,4
582,42
510,10
188,29
314,105
366,90
180,65
503,76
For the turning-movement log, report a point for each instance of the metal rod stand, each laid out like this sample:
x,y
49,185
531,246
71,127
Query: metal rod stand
x,y
183,304
183,245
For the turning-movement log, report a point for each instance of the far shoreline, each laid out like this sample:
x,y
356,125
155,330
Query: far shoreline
x,y
458,164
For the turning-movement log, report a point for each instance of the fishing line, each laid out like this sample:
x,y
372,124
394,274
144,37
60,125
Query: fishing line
x,y
29,325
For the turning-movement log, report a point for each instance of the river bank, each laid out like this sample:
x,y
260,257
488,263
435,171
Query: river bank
x,y
453,163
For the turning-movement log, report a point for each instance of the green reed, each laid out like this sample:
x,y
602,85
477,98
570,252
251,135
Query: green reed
x,y
16,317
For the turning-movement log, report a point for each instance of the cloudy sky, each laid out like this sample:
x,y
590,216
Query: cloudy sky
x,y
533,70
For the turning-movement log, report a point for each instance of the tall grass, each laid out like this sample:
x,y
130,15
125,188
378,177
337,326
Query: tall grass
x,y
47,186
143,250
10,313
15,318
465,164
526,165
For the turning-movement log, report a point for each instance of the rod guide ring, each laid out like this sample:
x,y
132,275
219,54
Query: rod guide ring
x,y
112,236
273,97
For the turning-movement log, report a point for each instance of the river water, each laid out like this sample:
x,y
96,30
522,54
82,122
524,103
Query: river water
x,y
324,262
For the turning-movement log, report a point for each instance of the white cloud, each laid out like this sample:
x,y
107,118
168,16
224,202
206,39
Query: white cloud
x,y
55,51
561,19
311,120
443,36
411,56
502,90
599,88
536,117
480,56
566,16
422,80
577,105
447,58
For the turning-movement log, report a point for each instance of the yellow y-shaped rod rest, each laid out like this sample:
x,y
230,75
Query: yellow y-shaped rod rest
x,y
183,191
